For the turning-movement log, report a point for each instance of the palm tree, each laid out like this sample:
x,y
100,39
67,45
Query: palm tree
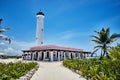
x,y
3,37
103,39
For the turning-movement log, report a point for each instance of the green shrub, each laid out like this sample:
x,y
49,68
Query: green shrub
x,y
13,71
96,69
115,52
105,69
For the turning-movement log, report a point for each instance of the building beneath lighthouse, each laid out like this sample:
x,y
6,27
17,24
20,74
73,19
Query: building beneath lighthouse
x,y
42,52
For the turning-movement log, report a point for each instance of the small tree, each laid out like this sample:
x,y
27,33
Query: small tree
x,y
103,39
115,52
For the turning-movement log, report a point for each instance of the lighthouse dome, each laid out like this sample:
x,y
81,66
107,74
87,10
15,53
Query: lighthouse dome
x,y
40,13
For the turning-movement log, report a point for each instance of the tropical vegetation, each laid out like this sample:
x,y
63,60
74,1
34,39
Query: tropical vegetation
x,y
105,68
115,52
13,71
103,39
96,69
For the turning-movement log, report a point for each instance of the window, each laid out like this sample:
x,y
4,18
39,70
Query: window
x,y
42,29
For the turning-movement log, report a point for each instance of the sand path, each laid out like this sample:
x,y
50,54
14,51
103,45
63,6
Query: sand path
x,y
54,71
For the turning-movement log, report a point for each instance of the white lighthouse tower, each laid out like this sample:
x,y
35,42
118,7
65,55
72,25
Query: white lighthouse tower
x,y
40,28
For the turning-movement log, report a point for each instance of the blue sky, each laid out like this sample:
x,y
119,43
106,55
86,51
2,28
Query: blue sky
x,y
67,22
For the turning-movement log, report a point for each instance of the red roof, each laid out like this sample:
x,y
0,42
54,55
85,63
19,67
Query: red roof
x,y
54,47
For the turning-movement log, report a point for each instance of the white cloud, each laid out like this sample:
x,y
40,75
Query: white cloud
x,y
72,35
23,44
10,51
71,38
62,39
16,47
2,43
68,35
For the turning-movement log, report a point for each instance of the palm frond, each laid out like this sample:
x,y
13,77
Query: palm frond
x,y
97,41
113,38
108,31
95,37
94,52
99,46
96,31
102,30
115,35
9,41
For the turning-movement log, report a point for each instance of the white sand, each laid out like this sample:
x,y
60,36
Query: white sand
x,y
54,71
9,60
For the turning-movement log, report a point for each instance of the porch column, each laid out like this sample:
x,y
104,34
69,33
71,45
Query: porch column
x,y
33,55
26,55
58,56
40,55
73,55
69,55
30,55
64,56
25,58
38,58
44,56
51,56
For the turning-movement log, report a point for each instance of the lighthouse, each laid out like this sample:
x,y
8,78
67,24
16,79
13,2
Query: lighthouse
x,y
51,53
40,28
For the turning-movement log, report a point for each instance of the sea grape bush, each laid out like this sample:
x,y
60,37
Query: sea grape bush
x,y
13,71
96,69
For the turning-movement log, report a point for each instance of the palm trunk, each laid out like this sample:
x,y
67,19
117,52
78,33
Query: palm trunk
x,y
103,53
107,55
